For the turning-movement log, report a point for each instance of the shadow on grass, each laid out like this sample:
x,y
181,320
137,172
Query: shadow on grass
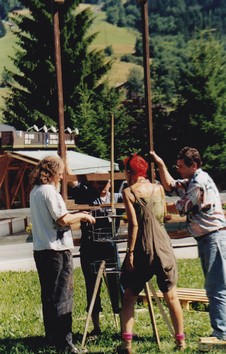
x,y
25,345
30,345
37,344
108,342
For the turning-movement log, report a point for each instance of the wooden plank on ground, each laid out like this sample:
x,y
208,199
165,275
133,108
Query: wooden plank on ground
x,y
207,344
185,295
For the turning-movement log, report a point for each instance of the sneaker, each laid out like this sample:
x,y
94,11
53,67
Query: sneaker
x,y
72,349
120,350
94,334
180,345
180,342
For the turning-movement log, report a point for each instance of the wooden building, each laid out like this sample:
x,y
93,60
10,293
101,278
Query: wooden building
x,y
15,168
20,152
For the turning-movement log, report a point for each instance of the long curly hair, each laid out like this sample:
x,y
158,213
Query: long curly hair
x,y
46,170
136,165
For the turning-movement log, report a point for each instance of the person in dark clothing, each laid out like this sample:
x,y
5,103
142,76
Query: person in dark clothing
x,y
91,251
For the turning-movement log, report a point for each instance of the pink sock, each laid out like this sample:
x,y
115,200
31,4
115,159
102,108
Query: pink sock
x,y
127,336
180,336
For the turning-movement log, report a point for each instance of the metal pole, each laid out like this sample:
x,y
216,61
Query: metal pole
x,y
147,81
62,147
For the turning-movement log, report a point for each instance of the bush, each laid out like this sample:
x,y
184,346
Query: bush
x,y
2,29
109,50
129,58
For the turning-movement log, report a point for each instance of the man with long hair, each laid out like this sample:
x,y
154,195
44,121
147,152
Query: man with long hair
x,y
52,242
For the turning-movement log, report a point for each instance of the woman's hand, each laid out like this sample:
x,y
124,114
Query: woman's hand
x,y
129,261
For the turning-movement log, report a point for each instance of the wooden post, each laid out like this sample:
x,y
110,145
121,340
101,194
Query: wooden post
x,y
168,323
62,147
112,180
112,164
96,288
152,316
147,81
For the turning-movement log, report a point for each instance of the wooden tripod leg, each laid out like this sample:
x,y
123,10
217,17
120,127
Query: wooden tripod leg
x,y
116,321
163,313
114,314
97,284
152,316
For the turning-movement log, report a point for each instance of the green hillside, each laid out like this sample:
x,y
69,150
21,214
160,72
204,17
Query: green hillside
x,y
122,41
7,49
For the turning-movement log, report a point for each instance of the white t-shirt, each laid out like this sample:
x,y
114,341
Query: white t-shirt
x,y
47,206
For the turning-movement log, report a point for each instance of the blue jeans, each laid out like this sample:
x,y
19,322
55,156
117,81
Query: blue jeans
x,y
212,253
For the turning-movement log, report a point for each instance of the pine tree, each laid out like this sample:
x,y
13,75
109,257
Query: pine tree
x,y
33,91
200,117
33,96
2,29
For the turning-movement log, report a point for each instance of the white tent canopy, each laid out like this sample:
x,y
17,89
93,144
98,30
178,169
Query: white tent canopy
x,y
80,164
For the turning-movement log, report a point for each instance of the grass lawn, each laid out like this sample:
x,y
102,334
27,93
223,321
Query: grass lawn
x,y
21,327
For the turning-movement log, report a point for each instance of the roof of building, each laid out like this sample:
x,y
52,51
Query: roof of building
x,y
6,128
79,163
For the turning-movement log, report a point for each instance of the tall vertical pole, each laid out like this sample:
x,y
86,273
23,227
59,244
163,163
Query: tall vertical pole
x,y
147,81
62,147
112,164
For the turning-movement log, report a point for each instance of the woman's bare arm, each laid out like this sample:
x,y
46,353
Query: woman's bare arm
x,y
132,227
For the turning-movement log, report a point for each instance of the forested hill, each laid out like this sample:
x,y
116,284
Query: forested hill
x,y
166,17
169,17
188,77
186,16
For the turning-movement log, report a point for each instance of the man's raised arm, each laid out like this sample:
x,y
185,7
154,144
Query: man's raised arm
x,y
166,179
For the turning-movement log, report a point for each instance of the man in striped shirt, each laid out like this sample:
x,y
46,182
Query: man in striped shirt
x,y
200,202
